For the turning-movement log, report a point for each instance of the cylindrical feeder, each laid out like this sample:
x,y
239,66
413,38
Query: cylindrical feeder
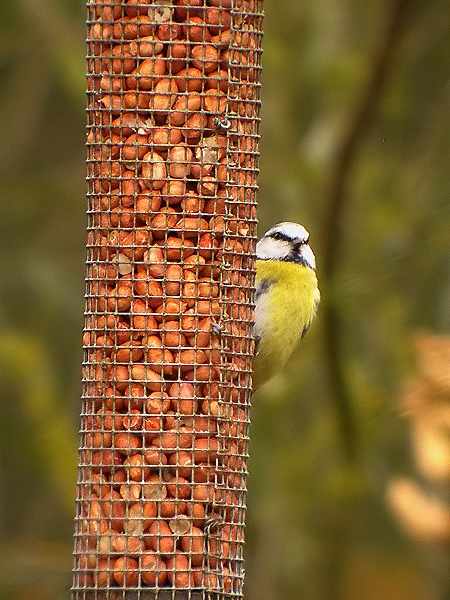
x,y
172,159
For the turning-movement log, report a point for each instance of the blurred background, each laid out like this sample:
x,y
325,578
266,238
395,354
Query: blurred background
x,y
350,464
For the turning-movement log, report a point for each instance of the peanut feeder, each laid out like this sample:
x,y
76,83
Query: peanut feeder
x,y
172,158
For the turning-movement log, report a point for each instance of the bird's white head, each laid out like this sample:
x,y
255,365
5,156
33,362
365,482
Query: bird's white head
x,y
288,242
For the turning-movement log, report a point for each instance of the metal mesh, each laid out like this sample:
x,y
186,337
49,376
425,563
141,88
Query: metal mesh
x,y
172,119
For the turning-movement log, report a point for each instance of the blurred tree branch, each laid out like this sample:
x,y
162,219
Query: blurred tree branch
x,y
338,200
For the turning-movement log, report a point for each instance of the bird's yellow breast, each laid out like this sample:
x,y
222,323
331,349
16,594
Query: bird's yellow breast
x,y
286,309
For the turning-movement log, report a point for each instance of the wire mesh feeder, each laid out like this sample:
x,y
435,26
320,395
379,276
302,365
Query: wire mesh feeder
x,y
173,117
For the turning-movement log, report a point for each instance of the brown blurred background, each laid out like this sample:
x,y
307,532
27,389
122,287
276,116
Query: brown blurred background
x,y
350,460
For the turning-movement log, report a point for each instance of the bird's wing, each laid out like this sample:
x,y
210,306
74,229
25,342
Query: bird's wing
x,y
316,302
262,287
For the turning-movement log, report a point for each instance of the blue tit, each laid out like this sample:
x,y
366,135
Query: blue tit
x,y
287,297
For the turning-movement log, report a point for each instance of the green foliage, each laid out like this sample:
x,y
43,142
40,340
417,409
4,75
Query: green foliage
x,y
50,431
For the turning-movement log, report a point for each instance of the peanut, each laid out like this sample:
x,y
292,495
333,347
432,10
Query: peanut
x,y
182,463
146,73
196,30
125,572
171,508
184,106
154,170
127,545
193,545
205,58
179,572
180,158
136,467
164,95
164,137
177,53
190,80
153,570
183,398
161,538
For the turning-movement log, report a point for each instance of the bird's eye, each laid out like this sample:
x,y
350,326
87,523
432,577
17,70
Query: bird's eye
x,y
277,236
298,245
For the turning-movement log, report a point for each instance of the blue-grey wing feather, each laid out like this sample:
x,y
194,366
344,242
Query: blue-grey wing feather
x,y
261,289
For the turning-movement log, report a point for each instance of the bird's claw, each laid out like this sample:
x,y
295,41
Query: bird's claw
x,y
216,329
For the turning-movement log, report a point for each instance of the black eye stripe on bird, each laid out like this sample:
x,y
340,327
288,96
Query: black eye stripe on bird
x,y
278,235
287,296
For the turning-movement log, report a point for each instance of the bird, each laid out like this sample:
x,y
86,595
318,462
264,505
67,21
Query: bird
x,y
287,297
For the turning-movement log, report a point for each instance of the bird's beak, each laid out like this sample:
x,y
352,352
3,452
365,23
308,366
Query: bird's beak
x,y
308,256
